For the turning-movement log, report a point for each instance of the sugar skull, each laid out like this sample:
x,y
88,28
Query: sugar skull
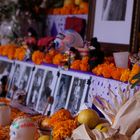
x,y
67,39
22,128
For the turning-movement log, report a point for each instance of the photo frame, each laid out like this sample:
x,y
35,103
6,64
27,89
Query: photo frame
x,y
66,91
113,21
47,89
6,68
114,36
38,77
21,77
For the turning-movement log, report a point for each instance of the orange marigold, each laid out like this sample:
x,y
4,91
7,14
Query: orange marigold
x,y
135,70
58,59
116,73
125,75
64,129
60,115
75,65
38,57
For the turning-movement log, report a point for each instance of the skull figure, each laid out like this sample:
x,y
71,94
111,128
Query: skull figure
x,y
22,128
67,39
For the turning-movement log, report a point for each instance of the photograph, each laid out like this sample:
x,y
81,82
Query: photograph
x,y
62,90
76,95
114,10
6,67
47,90
116,16
35,86
20,81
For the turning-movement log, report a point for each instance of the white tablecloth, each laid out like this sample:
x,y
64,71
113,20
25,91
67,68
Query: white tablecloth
x,y
100,86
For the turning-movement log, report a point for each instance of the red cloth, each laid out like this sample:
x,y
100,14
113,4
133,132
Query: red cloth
x,y
77,24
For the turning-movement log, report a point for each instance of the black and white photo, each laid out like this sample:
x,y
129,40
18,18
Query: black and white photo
x,y
114,10
6,67
47,90
62,91
76,95
20,80
35,87
113,21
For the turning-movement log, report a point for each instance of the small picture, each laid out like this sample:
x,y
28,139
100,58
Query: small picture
x,y
76,95
62,91
35,86
6,68
47,90
78,92
19,84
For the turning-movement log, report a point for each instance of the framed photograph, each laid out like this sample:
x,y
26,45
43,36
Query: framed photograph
x,y
78,93
20,82
70,91
62,91
113,21
35,86
6,69
47,89
6,66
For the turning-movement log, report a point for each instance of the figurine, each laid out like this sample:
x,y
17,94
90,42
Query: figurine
x,y
69,38
96,55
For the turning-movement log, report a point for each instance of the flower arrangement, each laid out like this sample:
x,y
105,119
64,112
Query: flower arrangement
x,y
38,57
